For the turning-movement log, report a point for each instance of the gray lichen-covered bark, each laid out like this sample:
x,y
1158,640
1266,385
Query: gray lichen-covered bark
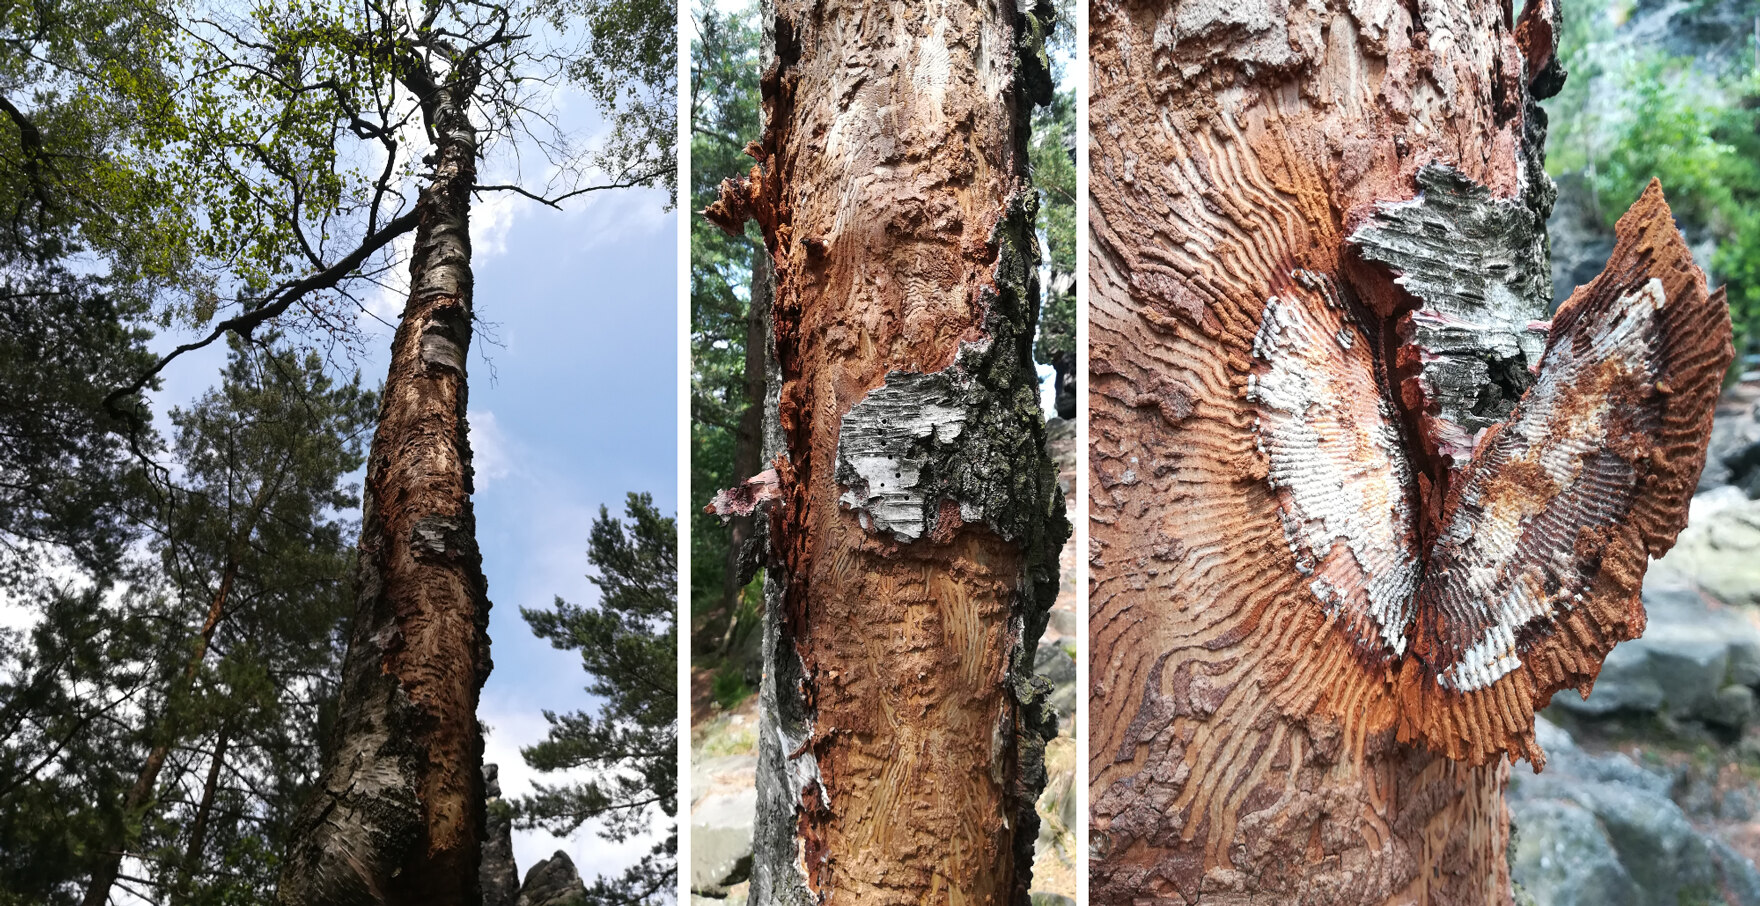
x,y
1480,270
398,813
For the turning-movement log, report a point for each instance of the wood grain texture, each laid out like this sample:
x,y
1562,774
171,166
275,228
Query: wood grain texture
x,y
1259,732
917,518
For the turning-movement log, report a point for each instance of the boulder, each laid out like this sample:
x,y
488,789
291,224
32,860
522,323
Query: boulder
x,y
723,816
553,882
1695,661
1719,550
1601,829
1561,858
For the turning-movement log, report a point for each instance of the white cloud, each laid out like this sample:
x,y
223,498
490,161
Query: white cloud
x,y
491,218
490,453
620,214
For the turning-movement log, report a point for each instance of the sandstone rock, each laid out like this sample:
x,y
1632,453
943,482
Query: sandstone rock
x,y
721,839
1600,829
553,882
1720,547
1695,661
1561,858
497,874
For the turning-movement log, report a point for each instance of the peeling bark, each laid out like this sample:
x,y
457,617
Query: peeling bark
x,y
913,546
398,813
1356,510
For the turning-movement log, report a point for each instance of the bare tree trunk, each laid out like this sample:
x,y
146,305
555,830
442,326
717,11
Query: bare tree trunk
x,y
749,443
914,546
198,827
1356,511
104,874
398,815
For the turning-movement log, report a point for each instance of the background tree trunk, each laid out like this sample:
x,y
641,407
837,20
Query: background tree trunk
x,y
166,733
1278,713
198,828
398,814
749,443
914,546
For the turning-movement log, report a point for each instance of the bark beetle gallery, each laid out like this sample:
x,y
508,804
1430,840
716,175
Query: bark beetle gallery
x,y
1357,511
911,516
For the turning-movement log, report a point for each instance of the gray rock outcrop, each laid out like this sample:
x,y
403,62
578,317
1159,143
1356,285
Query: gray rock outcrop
x,y
497,873
1698,659
553,882
1600,830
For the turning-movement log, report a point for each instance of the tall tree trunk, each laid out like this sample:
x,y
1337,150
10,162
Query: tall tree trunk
x,y
198,826
1356,511
147,780
398,813
914,545
749,443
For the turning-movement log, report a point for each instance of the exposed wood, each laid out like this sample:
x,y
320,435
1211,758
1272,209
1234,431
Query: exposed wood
x,y
1344,539
398,814
914,540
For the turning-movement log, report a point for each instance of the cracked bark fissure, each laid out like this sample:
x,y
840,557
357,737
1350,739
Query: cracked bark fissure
x,y
397,815
900,727
1344,541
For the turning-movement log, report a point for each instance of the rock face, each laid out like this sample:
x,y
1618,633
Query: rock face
x,y
1720,548
553,882
499,876
1697,660
1602,831
722,820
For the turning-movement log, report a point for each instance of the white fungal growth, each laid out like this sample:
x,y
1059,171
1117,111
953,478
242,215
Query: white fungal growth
x,y
1505,542
1338,464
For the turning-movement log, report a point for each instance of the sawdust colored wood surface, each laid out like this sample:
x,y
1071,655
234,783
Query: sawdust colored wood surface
x,y
917,520
1356,510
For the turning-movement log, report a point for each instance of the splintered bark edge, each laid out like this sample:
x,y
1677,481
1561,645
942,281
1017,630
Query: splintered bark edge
x,y
1691,349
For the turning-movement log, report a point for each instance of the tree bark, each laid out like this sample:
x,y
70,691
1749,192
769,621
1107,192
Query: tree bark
x,y
398,813
914,544
749,443
198,827
1357,512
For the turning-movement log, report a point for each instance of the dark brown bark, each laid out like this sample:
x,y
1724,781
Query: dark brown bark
x,y
914,543
398,814
1356,511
